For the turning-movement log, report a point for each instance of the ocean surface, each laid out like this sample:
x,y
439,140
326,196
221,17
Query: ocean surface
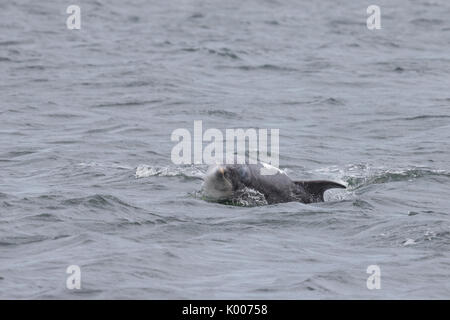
x,y
86,176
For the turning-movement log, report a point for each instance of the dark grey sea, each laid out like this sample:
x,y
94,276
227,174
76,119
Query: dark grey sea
x,y
86,176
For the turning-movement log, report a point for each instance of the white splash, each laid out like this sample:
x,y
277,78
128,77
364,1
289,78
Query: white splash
x,y
409,242
145,171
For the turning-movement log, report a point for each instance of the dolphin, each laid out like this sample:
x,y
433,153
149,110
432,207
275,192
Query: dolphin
x,y
222,182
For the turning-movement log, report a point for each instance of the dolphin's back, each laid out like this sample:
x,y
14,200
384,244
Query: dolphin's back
x,y
279,187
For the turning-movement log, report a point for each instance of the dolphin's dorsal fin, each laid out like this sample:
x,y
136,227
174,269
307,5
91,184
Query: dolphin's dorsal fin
x,y
316,188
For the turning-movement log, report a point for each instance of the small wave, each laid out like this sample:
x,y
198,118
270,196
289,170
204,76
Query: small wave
x,y
33,67
131,103
47,217
197,15
140,83
392,176
104,165
10,43
63,115
327,101
221,113
98,201
266,67
427,22
426,116
224,52
432,238
409,242
344,22
360,175
18,240
272,22
17,154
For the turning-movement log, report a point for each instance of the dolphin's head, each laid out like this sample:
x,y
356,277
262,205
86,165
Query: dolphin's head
x,y
222,180
217,184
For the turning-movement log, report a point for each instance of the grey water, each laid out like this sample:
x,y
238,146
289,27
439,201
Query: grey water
x,y
86,176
